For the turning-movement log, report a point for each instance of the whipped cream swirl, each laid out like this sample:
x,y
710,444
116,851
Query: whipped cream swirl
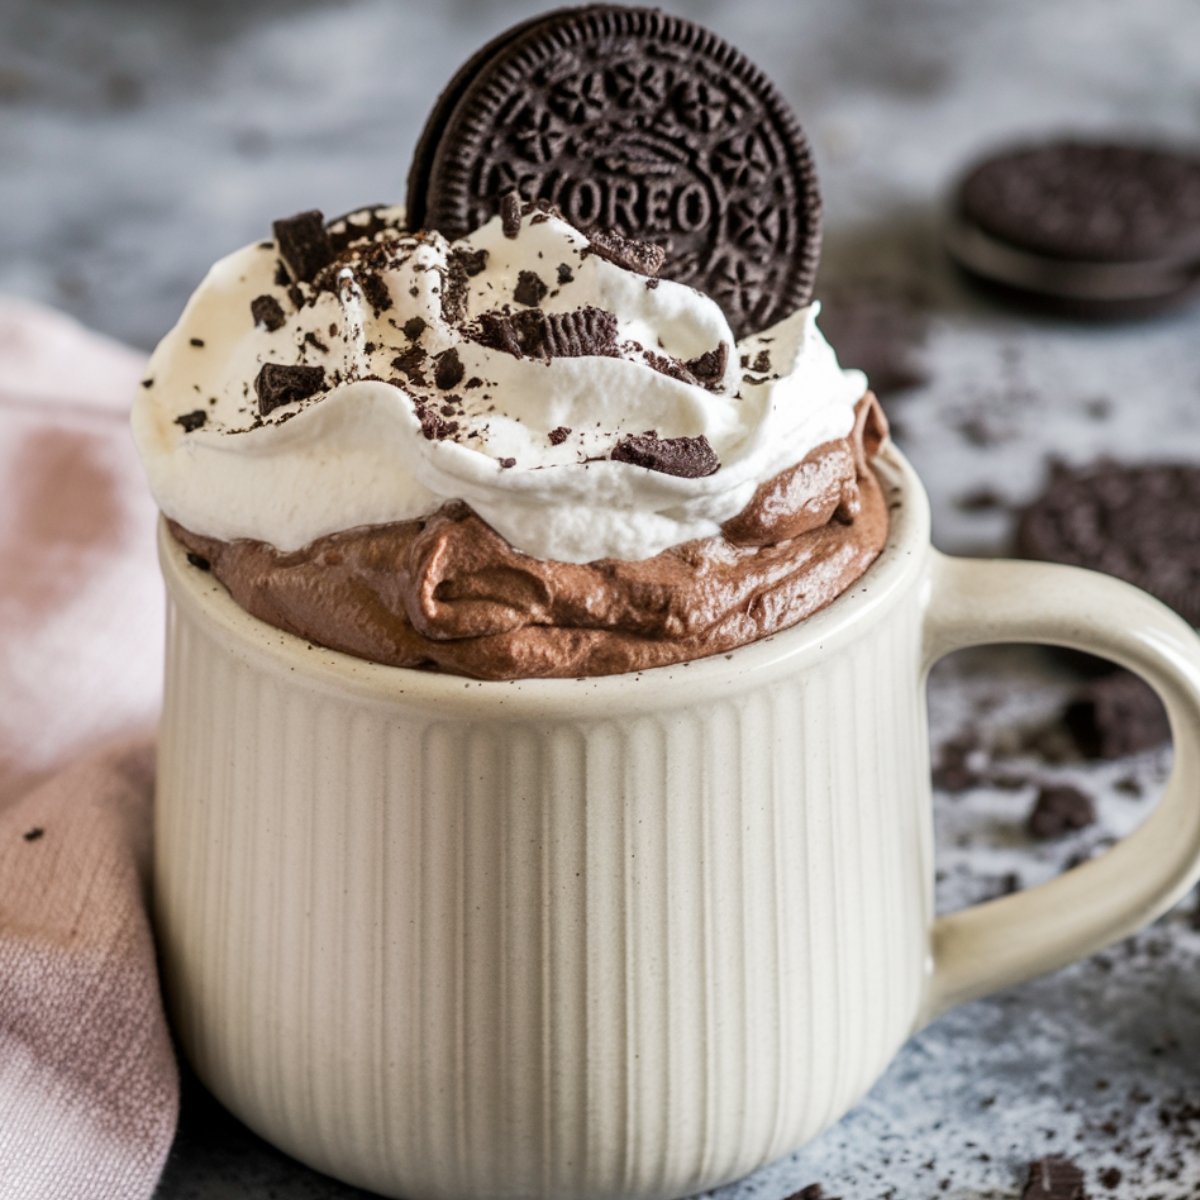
x,y
420,401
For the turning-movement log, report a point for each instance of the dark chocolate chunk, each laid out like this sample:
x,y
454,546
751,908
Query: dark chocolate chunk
x,y
530,289
1054,1179
191,421
643,257
448,370
375,289
267,311
1140,523
1101,228
34,834
1116,715
510,214
559,435
304,244
537,334
413,328
641,122
199,561
1059,810
284,383
687,457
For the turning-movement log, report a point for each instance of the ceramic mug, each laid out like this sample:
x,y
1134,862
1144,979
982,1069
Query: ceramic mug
x,y
630,936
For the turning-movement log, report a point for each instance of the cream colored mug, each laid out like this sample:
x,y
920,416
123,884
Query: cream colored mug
x,y
621,937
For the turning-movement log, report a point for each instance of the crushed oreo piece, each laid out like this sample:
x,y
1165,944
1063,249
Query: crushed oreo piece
x,y
687,457
197,342
32,835
199,561
361,225
267,311
643,257
375,289
510,214
448,370
709,368
565,274
189,422
413,328
283,383
1116,715
559,435
148,383
1060,810
1054,1179
530,289
296,295
953,772
539,334
471,261
507,462
412,363
304,244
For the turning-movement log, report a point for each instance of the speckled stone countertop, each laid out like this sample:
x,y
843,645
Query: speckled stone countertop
x,y
139,141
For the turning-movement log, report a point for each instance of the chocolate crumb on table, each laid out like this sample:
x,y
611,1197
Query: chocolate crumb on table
x,y
1059,810
1115,716
1054,1179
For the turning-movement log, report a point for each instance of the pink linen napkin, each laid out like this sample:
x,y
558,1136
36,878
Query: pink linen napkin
x,y
88,1083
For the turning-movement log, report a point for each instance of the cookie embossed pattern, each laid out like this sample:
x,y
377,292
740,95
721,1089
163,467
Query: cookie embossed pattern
x,y
640,122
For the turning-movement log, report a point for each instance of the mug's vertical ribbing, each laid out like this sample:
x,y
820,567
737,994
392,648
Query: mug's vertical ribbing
x,y
623,937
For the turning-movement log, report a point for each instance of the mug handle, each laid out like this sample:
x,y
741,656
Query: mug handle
x,y
1001,942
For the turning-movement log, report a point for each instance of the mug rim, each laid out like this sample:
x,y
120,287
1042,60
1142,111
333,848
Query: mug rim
x,y
202,598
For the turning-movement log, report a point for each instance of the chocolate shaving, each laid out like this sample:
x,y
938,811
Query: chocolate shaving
x,y
687,457
191,421
413,328
375,289
448,370
559,435
510,214
267,311
538,334
644,257
530,289
282,383
304,244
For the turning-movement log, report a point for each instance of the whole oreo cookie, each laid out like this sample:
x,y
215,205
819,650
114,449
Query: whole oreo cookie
x,y
641,122
1095,228
1140,523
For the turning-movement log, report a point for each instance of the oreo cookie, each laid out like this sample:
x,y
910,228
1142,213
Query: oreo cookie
x,y
1089,228
643,123
1140,523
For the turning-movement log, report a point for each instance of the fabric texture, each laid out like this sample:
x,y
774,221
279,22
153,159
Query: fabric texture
x,y
88,1081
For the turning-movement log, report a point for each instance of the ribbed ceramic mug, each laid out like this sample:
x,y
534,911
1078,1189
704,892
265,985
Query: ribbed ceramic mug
x,y
621,937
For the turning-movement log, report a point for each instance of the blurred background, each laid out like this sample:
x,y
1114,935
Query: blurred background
x,y
142,139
